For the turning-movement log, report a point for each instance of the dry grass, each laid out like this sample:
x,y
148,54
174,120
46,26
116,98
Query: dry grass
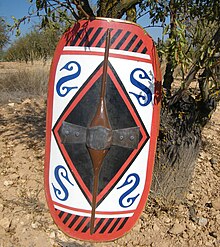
x,y
21,80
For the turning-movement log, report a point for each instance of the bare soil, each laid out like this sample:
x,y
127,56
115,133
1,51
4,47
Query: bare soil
x,y
25,220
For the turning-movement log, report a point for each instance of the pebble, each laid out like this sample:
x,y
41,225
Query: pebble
x,y
216,203
8,183
35,225
156,227
1,207
191,226
14,176
208,244
213,234
166,219
202,221
5,223
189,196
185,235
213,161
26,101
52,235
11,104
177,228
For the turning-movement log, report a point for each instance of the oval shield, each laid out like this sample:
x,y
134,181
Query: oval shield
x,y
102,125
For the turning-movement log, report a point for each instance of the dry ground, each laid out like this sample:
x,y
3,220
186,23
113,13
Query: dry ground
x,y
24,217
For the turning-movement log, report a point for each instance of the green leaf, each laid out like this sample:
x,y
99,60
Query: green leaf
x,y
165,30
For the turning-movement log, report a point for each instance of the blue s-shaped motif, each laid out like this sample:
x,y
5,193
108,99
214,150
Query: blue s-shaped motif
x,y
61,172
148,95
64,79
132,178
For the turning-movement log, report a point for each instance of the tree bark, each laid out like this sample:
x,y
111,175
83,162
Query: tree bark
x,y
177,150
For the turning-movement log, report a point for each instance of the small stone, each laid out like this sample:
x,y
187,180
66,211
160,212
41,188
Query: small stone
x,y
185,235
11,104
1,207
213,234
14,176
208,244
213,161
216,203
191,226
202,221
8,183
52,235
189,196
156,227
5,223
26,101
166,219
11,170
35,225
177,228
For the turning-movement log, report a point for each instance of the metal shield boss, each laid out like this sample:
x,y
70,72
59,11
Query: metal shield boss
x,y
102,125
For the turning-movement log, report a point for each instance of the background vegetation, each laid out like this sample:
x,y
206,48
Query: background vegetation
x,y
36,45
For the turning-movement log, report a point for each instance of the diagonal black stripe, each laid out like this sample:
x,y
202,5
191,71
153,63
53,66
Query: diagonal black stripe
x,y
123,40
73,221
115,224
61,214
131,42
99,224
123,223
98,31
67,218
116,36
81,223
86,36
85,229
77,37
101,41
106,225
138,46
144,51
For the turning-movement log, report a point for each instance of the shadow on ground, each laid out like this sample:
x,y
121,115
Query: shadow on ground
x,y
25,122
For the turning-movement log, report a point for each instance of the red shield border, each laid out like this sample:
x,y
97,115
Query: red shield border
x,y
124,224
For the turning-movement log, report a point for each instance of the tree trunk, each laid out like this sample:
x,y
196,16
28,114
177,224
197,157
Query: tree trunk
x,y
177,150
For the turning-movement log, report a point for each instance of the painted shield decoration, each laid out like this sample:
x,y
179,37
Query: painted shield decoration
x,y
102,125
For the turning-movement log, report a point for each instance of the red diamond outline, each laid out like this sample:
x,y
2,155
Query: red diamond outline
x,y
145,136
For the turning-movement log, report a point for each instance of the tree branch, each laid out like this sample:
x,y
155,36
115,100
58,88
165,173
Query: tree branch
x,y
214,42
170,66
83,8
131,14
203,85
116,8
